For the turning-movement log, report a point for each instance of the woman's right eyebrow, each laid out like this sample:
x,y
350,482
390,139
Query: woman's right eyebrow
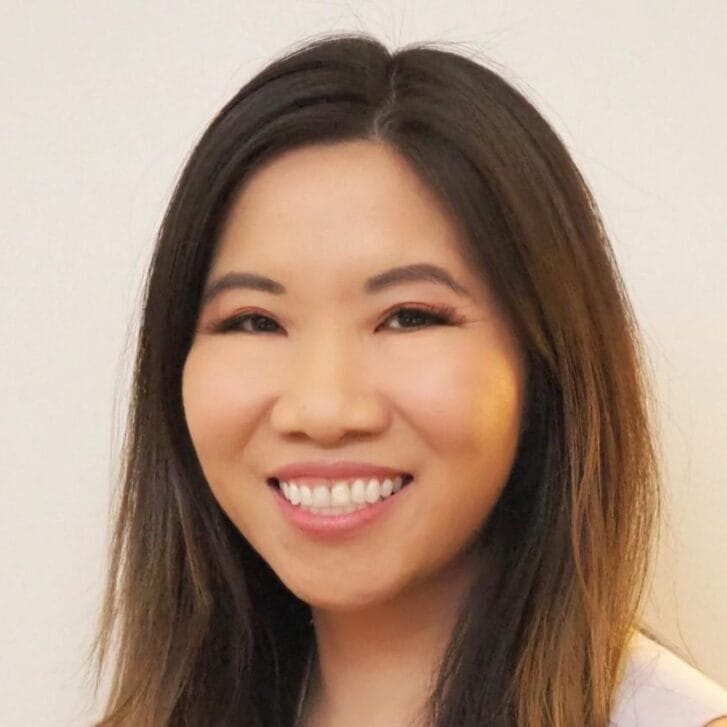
x,y
395,276
251,281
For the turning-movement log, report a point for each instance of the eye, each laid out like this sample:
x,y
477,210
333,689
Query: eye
x,y
257,324
413,317
409,318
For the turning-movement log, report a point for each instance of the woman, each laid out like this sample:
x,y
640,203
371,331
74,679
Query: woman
x,y
389,459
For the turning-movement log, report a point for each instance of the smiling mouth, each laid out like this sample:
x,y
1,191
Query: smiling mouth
x,y
326,509
340,496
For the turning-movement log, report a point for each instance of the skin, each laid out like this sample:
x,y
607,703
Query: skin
x,y
339,375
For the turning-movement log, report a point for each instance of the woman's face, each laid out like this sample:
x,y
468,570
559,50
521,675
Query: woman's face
x,y
329,371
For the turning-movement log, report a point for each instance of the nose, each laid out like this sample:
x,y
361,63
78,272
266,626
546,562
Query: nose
x,y
327,395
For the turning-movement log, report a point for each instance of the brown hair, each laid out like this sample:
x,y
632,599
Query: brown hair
x,y
541,644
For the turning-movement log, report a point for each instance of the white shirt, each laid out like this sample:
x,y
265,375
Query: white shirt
x,y
658,689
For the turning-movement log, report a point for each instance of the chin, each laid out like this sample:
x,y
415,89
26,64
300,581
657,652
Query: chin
x,y
341,597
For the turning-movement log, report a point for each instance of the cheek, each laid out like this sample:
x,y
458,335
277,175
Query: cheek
x,y
223,398
465,400
462,397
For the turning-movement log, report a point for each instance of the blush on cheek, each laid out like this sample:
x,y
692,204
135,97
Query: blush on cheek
x,y
220,405
464,403
202,410
440,397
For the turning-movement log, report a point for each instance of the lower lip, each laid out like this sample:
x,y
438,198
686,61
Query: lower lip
x,y
336,526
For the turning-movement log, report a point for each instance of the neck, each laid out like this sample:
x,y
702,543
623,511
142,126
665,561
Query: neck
x,y
377,665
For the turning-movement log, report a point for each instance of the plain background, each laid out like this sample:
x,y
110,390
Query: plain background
x,y
101,104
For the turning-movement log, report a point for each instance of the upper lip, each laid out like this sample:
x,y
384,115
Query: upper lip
x,y
341,469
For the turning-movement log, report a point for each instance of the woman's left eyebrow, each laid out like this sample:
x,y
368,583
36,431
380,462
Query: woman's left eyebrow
x,y
415,272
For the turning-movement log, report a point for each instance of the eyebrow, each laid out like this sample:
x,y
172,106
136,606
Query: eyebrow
x,y
416,272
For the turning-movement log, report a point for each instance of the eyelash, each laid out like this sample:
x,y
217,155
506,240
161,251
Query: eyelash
x,y
441,315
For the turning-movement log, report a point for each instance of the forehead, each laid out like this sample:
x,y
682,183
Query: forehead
x,y
324,219
338,205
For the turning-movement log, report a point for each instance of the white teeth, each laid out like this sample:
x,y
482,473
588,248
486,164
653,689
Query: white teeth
x,y
358,492
321,497
343,497
340,494
372,491
306,496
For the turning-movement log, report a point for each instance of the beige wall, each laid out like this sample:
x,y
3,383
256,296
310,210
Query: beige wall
x,y
101,104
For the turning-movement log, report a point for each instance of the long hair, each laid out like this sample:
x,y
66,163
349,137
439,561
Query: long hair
x,y
203,631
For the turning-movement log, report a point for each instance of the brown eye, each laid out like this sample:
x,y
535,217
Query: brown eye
x,y
414,318
408,317
257,324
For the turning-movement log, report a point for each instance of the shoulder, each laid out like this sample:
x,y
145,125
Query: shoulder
x,y
660,689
